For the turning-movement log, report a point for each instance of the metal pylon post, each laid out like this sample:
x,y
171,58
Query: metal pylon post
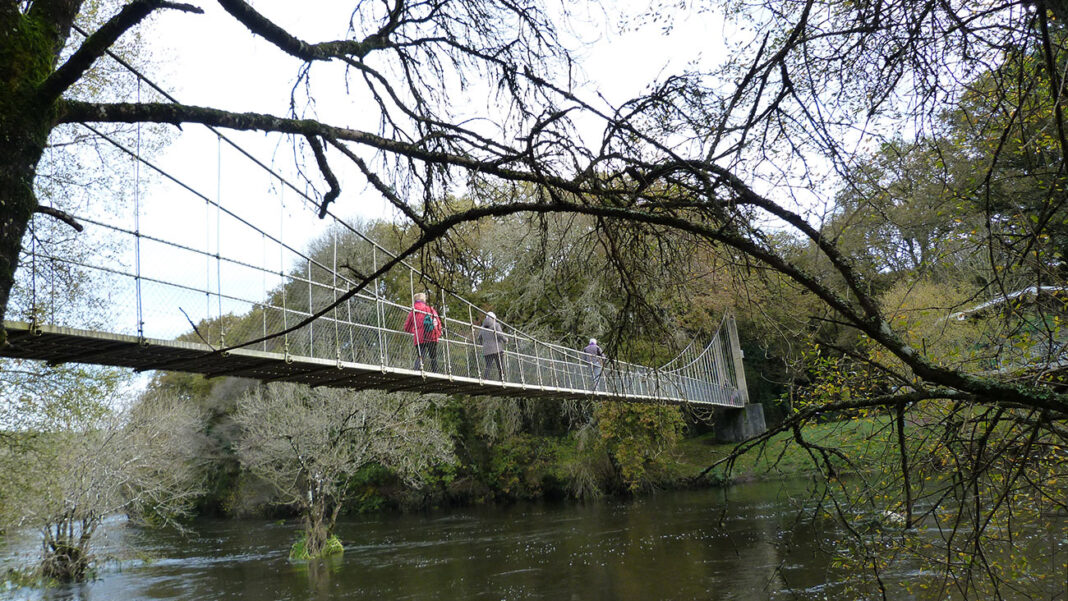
x,y
382,354
474,343
739,368
537,364
519,359
415,324
445,331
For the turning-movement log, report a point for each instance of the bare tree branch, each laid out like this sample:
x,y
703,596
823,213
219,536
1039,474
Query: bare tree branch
x,y
60,215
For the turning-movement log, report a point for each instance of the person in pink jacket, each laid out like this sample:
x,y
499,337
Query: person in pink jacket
x,y
424,324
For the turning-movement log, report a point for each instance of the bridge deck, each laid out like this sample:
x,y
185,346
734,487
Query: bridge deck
x,y
63,345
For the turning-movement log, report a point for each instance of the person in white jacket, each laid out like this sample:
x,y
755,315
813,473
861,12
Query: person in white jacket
x,y
595,357
491,336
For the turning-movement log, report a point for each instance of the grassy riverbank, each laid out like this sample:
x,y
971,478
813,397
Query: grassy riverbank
x,y
864,441
530,467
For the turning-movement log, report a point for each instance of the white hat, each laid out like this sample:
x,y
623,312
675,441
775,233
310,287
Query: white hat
x,y
491,314
593,341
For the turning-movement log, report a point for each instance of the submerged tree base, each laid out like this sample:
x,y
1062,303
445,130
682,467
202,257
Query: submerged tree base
x,y
332,546
66,563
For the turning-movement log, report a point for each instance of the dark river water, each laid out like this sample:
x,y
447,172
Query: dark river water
x,y
744,543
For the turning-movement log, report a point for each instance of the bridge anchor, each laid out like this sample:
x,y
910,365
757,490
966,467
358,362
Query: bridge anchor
x,y
735,424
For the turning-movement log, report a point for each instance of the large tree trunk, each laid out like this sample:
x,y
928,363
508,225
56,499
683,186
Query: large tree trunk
x,y
65,561
29,47
316,531
17,204
320,517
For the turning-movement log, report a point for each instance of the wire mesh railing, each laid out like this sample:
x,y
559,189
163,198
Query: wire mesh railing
x,y
364,330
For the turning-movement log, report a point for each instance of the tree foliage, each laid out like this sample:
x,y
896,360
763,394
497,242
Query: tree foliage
x,y
307,444
80,462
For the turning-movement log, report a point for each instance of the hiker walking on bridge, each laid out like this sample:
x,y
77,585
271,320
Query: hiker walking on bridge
x,y
424,324
492,338
595,357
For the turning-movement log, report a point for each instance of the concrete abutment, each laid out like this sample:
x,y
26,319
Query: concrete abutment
x,y
735,424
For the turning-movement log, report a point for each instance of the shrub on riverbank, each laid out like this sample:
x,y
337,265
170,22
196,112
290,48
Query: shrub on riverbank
x,y
865,441
507,450
79,461
528,467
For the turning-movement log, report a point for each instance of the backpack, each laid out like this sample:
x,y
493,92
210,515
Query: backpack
x,y
428,324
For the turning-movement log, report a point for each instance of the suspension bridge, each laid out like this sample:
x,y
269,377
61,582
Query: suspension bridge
x,y
213,278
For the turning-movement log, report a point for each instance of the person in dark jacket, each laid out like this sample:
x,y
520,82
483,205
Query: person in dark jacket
x,y
424,324
595,357
491,336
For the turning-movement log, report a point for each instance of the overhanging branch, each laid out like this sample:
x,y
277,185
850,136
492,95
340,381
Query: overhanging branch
x,y
290,44
73,111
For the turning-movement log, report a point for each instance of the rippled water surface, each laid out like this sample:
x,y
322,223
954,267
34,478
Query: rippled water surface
x,y
744,544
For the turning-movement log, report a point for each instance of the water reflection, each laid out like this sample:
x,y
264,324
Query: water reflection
x,y
691,545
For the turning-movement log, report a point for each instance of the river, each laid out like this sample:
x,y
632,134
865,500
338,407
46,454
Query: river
x,y
742,543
